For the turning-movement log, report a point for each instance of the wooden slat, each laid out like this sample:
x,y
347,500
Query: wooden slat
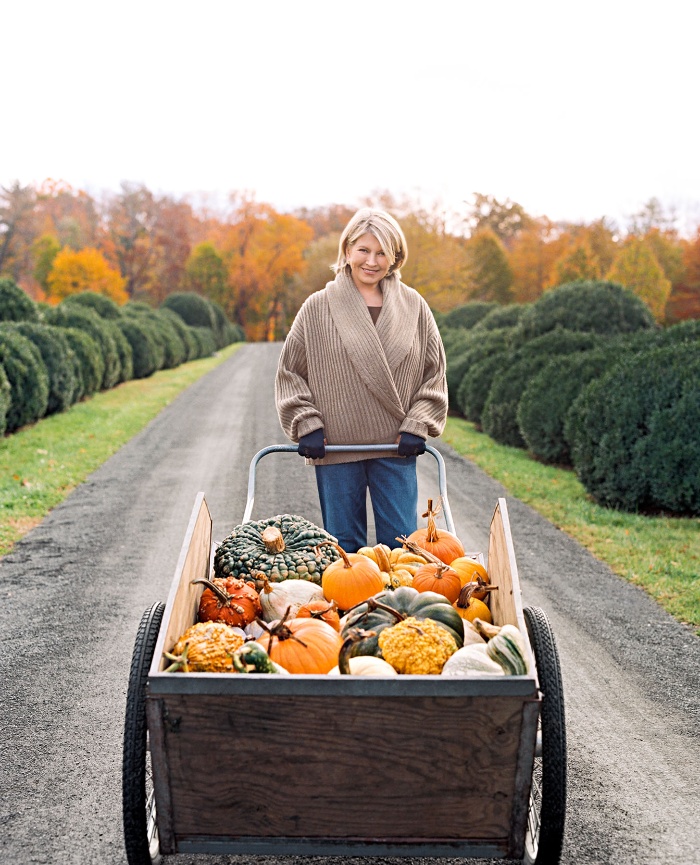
x,y
161,776
316,767
183,601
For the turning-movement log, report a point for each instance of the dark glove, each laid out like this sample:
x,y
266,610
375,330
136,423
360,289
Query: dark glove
x,y
312,445
410,445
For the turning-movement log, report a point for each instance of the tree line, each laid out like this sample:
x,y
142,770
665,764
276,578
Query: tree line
x,y
259,264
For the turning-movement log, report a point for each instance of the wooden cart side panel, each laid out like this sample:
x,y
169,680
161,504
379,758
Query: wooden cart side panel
x,y
506,603
428,767
523,778
183,601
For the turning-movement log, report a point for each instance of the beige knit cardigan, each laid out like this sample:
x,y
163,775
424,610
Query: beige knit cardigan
x,y
363,383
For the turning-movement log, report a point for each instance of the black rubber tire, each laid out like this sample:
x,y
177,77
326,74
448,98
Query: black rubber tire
x,y
547,810
138,803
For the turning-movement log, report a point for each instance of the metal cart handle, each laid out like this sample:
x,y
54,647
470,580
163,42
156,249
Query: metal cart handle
x,y
442,478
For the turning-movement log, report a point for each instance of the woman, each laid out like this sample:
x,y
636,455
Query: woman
x,y
363,363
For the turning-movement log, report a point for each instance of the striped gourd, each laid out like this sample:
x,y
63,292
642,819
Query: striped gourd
x,y
285,547
507,648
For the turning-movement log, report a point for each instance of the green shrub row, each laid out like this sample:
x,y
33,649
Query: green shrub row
x,y
51,357
584,378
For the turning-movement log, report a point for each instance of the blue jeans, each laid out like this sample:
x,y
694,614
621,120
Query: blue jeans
x,y
393,489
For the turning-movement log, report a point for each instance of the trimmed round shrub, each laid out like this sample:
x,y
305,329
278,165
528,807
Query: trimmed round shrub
x,y
26,373
5,399
633,432
234,333
104,306
587,305
126,356
469,314
173,347
184,331
205,340
221,330
476,384
147,352
501,316
192,308
59,359
550,394
91,365
15,304
74,315
474,347
499,415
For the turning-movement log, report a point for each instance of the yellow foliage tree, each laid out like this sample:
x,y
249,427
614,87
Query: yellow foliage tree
x,y
636,268
578,263
85,270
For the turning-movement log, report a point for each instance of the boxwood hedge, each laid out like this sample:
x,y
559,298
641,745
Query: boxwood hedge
x,y
174,350
59,359
499,415
15,304
104,306
91,364
472,347
501,316
468,314
633,432
74,315
205,340
587,305
147,351
26,373
192,308
184,331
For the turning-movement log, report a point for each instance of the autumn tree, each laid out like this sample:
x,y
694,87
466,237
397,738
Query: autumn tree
x,y
206,273
263,251
74,272
16,228
532,257
44,249
684,301
637,268
490,276
132,217
505,219
578,262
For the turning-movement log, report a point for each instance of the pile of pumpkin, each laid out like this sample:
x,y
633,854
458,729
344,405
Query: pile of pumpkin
x,y
421,608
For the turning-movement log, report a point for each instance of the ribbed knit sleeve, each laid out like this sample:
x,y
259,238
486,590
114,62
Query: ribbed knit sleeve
x,y
427,413
295,406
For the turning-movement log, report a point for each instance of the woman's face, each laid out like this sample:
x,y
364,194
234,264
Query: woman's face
x,y
367,261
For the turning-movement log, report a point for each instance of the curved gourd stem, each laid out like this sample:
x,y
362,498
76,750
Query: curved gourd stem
x,y
355,636
225,599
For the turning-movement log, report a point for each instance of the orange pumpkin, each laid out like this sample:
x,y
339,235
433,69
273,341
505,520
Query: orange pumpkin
x,y
302,645
438,578
470,607
326,612
470,571
228,600
351,579
442,544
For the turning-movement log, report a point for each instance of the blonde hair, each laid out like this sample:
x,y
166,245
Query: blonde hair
x,y
384,227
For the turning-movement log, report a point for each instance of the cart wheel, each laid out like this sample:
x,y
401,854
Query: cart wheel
x,y
547,808
138,801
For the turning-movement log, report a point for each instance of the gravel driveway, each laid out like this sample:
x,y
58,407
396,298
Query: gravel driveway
x,y
74,589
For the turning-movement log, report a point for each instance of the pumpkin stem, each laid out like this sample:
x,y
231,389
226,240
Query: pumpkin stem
x,y
273,539
356,635
372,605
468,590
346,560
225,600
279,631
413,547
179,662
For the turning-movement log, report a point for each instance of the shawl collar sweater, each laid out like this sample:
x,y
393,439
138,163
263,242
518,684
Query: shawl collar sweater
x,y
363,383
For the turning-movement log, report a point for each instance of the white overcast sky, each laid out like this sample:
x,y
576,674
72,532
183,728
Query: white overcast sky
x,y
574,110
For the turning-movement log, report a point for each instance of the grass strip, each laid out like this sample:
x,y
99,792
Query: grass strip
x,y
659,553
42,463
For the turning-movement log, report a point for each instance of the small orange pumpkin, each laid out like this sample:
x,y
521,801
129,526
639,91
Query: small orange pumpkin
x,y
326,612
442,544
228,600
470,607
301,645
438,578
469,569
351,579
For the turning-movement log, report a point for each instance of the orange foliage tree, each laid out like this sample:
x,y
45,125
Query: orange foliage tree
x,y
85,270
263,251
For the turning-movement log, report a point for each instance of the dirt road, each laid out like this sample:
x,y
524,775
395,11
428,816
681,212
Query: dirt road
x,y
74,589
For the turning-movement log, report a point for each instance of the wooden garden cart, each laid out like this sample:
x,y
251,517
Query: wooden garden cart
x,y
343,765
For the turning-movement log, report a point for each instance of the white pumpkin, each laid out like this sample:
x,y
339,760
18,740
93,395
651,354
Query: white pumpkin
x,y
276,597
367,665
472,660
